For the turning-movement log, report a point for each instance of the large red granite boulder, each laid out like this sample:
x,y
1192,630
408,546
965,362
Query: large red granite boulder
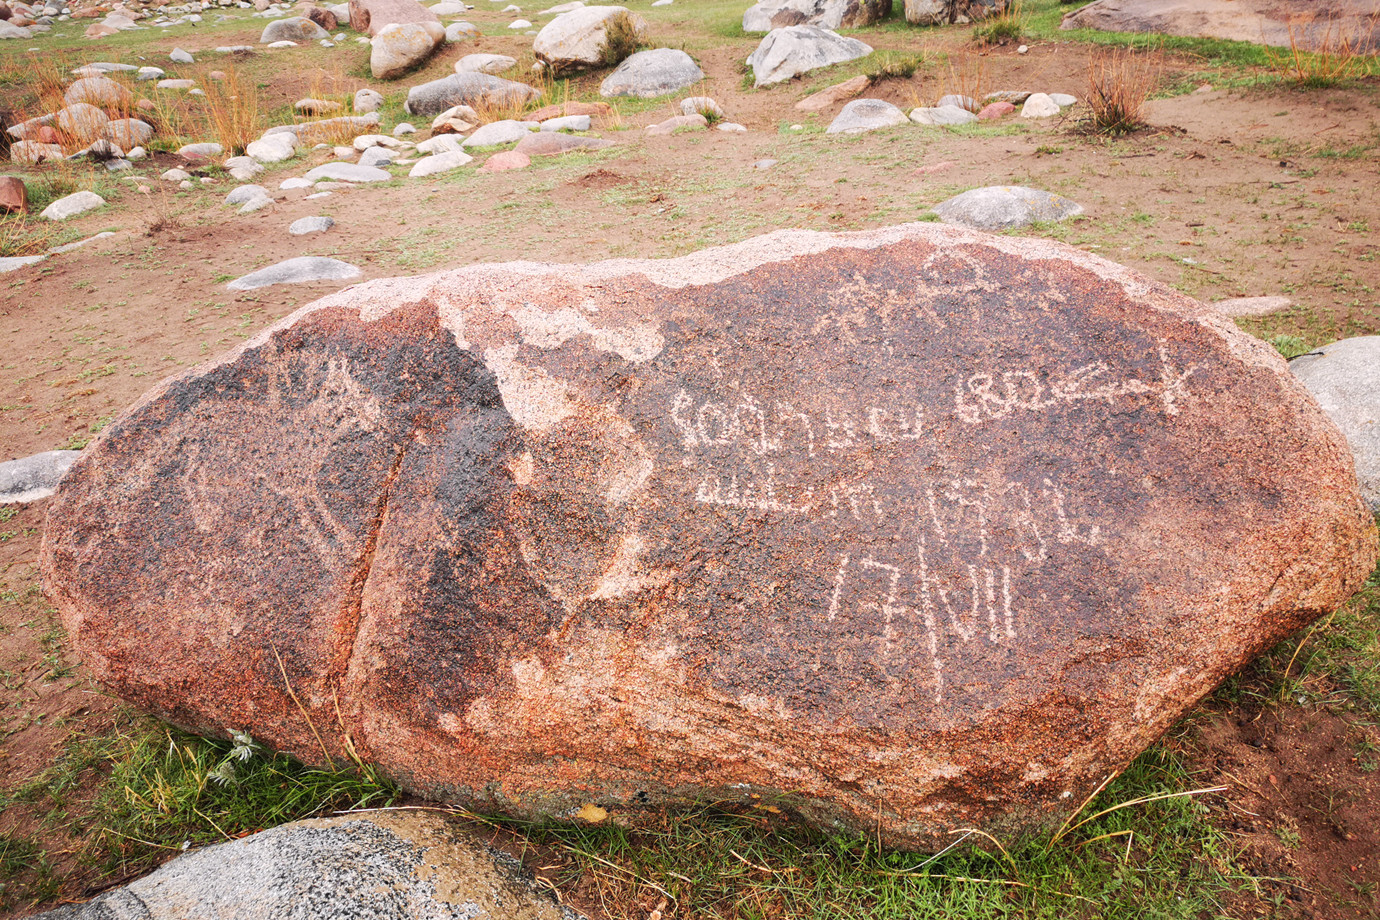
x,y
1306,24
371,16
906,530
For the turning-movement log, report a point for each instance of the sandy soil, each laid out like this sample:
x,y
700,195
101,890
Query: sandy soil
x,y
1230,192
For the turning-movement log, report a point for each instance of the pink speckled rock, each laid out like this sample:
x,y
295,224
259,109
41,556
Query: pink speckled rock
x,y
508,159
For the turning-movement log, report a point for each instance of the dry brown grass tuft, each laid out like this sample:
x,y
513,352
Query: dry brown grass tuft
x,y
231,110
1337,59
1119,83
967,77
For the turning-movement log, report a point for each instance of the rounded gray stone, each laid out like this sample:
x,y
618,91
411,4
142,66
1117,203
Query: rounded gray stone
x,y
1344,378
348,172
294,29
72,205
863,115
300,270
364,866
648,74
377,157
785,53
304,225
244,193
435,97
497,133
567,123
35,477
942,115
1004,207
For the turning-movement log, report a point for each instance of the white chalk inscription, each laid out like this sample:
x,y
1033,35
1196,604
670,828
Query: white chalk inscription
x,y
947,550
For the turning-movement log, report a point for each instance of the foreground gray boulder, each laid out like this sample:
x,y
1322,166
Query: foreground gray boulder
x,y
789,52
474,89
32,478
377,865
1005,207
907,531
301,270
648,74
827,14
1344,378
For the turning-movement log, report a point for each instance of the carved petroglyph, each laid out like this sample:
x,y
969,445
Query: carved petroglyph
x,y
340,409
987,396
911,598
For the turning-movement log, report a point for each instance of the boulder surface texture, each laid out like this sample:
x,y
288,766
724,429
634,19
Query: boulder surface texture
x,y
908,530
375,865
827,14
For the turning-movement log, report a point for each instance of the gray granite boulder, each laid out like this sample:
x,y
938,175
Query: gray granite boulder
x,y
301,270
1344,378
366,865
348,172
827,14
496,133
403,46
35,477
438,163
940,12
294,29
575,40
863,115
128,132
789,52
647,74
467,89
304,225
72,205
98,91
942,115
1005,207
485,63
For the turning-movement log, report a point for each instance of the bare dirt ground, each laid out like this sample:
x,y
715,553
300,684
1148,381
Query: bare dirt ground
x,y
1243,191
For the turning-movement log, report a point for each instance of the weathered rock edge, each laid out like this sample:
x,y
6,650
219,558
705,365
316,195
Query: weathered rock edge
x,y
500,531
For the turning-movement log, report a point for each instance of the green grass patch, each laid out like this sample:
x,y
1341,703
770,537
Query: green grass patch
x,y
1159,857
161,790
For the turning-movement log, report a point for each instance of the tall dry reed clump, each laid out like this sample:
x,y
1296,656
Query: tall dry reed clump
x,y
1119,83
1336,56
231,110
